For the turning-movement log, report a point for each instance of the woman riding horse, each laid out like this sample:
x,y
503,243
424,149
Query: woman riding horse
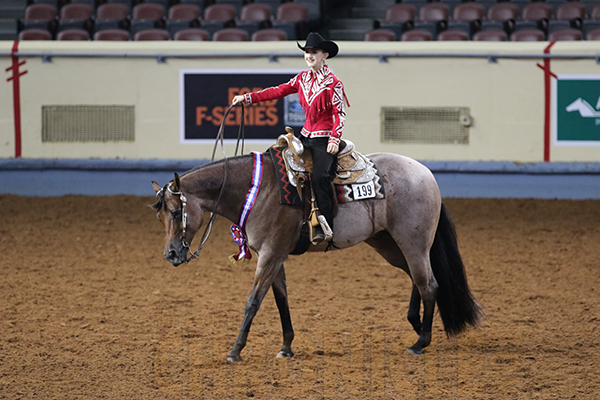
x,y
322,97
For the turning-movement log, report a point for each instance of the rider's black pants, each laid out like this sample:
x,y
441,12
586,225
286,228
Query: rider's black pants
x,y
323,170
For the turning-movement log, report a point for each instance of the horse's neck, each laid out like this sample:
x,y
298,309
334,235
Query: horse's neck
x,y
207,185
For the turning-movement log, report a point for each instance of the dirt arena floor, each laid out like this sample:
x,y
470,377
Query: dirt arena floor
x,y
91,310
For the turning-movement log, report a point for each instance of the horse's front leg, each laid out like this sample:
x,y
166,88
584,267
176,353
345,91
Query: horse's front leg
x,y
266,273
281,298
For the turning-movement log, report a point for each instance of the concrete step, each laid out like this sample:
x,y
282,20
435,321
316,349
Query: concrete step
x,y
8,29
12,8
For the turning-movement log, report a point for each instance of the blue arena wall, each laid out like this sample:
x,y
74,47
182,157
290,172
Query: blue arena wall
x,y
59,177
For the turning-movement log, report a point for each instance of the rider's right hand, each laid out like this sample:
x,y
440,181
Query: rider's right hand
x,y
238,99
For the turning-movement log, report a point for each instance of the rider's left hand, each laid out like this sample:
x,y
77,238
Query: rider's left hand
x,y
332,148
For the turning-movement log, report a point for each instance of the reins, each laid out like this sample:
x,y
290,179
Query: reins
x,y
213,214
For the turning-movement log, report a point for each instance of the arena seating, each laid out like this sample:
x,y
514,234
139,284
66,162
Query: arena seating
x,y
73,34
481,20
182,16
517,20
264,35
111,16
291,18
191,34
253,16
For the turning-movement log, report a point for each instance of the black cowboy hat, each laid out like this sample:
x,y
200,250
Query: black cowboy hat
x,y
316,41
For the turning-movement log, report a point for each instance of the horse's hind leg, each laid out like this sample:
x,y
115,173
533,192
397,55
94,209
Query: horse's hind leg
x,y
427,291
414,310
424,285
281,298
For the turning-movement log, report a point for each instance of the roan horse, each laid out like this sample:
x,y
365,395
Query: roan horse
x,y
409,228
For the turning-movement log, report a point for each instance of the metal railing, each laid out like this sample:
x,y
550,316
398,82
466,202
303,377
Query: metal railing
x,y
274,57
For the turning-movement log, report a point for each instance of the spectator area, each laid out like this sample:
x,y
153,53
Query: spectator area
x,y
488,20
229,20
246,20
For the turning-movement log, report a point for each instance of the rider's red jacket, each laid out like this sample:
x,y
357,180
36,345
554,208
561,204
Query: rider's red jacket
x,y
321,96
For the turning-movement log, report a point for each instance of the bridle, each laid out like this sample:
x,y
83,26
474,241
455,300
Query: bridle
x,y
183,199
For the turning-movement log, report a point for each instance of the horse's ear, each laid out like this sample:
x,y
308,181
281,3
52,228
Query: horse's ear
x,y
156,187
176,183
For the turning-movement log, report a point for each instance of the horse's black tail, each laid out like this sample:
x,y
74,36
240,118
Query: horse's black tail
x,y
458,308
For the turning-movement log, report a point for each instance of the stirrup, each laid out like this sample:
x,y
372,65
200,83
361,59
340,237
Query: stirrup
x,y
323,231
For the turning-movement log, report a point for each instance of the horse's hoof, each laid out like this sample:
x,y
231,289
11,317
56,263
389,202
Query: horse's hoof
x,y
414,351
285,354
234,359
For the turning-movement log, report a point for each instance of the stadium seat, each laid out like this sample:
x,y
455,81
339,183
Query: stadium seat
x,y
593,35
151,34
564,35
230,35
527,35
398,18
35,34
416,35
75,16
571,10
535,16
112,35
454,35
568,16
146,16
252,16
501,16
182,16
380,35
291,18
433,17
490,35
467,18
111,16
73,34
191,34
537,11
218,16
589,25
268,35
219,12
40,16
595,12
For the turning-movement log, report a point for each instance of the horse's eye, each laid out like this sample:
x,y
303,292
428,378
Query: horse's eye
x,y
176,215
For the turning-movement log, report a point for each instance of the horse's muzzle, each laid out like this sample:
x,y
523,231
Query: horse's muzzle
x,y
174,258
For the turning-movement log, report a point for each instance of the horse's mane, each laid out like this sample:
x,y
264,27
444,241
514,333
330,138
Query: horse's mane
x,y
211,164
160,202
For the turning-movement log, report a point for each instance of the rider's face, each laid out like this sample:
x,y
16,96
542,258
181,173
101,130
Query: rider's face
x,y
315,58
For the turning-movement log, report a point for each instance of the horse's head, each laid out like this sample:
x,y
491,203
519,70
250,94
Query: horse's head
x,y
181,220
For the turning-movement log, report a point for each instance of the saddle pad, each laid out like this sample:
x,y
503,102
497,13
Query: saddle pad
x,y
344,193
287,192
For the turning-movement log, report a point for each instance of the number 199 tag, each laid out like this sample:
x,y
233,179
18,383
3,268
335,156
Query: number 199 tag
x,y
363,190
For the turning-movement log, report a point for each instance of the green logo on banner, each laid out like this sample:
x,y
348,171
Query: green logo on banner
x,y
577,110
